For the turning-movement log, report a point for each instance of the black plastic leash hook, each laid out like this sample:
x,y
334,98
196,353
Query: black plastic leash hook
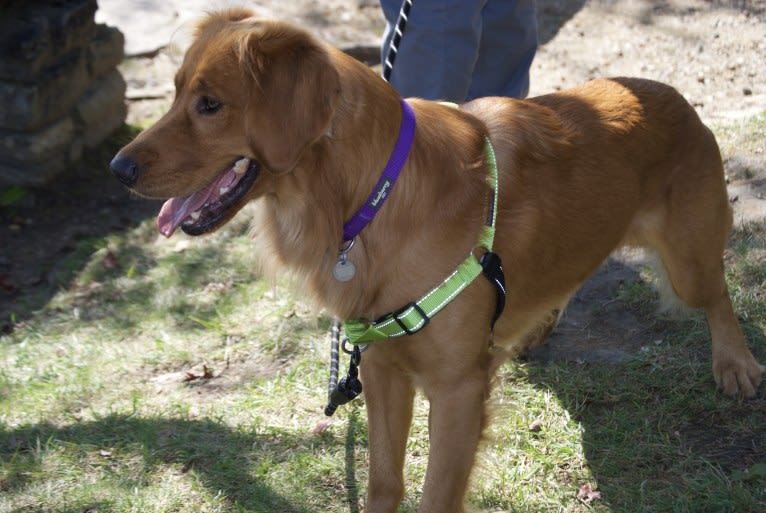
x,y
347,388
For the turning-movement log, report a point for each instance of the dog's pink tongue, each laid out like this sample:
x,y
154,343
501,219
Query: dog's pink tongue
x,y
175,210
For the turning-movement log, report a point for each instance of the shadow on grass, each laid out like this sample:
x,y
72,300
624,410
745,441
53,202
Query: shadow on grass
x,y
224,459
123,282
48,233
657,435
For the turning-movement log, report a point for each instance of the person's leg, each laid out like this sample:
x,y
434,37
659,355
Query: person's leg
x,y
439,48
508,45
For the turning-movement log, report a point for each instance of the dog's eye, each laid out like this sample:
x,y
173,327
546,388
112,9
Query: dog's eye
x,y
208,105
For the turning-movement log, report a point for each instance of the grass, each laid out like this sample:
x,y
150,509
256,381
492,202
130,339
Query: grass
x,y
746,136
105,404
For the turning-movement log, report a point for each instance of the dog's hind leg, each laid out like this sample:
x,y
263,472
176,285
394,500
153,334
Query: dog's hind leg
x,y
694,266
734,368
689,232
389,395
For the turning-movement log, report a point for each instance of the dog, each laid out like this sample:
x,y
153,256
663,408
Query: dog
x,y
265,113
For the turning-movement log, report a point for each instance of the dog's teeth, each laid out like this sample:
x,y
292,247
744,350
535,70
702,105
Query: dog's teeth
x,y
241,165
223,190
195,215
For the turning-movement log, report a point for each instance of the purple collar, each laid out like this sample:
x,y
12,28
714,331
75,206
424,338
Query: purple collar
x,y
387,179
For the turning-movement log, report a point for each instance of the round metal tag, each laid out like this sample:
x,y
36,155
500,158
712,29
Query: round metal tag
x,y
344,270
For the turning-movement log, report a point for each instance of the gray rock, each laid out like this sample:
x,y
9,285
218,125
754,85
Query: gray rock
x,y
33,158
35,36
59,87
106,50
31,105
102,108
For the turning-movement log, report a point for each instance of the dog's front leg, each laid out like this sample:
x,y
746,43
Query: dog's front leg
x,y
456,421
389,395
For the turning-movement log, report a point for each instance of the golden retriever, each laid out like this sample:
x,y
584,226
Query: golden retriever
x,y
266,113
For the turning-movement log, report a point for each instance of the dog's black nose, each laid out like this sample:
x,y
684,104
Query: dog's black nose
x,y
125,169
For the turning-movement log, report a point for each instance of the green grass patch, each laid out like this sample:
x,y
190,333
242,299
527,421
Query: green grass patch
x,y
746,136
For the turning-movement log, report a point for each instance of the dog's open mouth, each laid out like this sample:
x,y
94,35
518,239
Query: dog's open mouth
x,y
204,210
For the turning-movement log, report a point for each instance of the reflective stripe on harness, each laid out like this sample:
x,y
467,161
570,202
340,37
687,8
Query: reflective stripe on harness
x,y
414,316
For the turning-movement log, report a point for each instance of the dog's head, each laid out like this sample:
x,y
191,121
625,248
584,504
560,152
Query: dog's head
x,y
251,97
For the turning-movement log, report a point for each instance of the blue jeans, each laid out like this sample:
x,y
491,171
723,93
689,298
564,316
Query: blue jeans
x,y
458,50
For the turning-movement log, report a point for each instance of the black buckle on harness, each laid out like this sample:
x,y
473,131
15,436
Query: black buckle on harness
x,y
492,268
420,312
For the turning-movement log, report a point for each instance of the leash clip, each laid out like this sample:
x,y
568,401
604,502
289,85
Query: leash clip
x,y
349,387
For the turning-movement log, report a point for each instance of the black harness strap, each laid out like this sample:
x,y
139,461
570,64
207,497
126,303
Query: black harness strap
x,y
492,268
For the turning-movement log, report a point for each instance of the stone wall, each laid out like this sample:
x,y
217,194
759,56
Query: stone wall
x,y
60,91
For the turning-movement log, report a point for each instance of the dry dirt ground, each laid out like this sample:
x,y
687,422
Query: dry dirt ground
x,y
713,51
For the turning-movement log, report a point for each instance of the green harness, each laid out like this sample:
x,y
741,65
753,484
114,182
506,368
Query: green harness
x,y
414,316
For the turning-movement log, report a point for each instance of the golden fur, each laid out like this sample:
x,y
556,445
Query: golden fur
x,y
582,172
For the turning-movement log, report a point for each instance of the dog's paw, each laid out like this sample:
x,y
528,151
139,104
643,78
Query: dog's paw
x,y
737,374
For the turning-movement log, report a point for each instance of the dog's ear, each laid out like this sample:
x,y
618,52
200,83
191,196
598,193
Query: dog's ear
x,y
294,88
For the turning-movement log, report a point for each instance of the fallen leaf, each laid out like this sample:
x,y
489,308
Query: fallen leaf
x,y
5,285
587,494
207,373
110,260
